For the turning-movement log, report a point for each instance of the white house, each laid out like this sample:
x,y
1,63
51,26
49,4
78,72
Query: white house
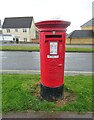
x,y
22,28
0,24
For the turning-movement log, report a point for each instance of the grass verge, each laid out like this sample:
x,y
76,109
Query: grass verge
x,y
21,93
80,49
36,48
19,48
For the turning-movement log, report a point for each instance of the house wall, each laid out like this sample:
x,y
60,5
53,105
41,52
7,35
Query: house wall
x,y
87,28
67,40
30,34
32,31
1,38
0,24
20,34
24,35
80,41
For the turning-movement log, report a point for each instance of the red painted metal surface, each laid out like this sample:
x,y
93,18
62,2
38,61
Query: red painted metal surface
x,y
52,51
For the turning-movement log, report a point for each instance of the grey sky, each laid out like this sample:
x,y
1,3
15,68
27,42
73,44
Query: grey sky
x,y
76,11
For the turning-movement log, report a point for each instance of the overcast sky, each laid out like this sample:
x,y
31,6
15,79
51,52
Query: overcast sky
x,y
76,11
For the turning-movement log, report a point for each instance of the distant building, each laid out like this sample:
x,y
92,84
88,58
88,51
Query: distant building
x,y
83,36
1,38
80,37
0,32
0,24
88,25
22,28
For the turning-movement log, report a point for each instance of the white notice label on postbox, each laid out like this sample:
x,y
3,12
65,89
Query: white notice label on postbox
x,y
53,47
54,56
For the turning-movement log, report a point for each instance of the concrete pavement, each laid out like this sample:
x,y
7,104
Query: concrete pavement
x,y
42,114
36,44
38,72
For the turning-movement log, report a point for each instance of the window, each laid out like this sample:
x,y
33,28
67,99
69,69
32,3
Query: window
x,y
37,34
8,30
16,30
24,30
25,39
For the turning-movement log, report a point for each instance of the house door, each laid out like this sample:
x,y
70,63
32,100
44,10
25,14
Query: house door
x,y
17,40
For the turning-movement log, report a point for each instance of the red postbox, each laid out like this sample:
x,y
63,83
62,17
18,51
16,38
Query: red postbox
x,y
52,55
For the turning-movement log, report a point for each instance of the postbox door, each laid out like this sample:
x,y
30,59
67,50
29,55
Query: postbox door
x,y
54,63
56,60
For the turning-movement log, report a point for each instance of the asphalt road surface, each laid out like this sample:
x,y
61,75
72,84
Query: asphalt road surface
x,y
31,61
19,44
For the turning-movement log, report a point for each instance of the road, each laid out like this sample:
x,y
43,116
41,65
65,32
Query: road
x,y
31,61
19,44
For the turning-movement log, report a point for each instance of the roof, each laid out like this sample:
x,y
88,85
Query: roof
x,y
17,22
89,23
81,34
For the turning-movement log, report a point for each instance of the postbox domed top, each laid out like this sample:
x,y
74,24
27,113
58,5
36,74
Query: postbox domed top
x,y
52,24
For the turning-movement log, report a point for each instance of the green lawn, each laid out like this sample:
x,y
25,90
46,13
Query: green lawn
x,y
80,49
36,48
21,92
22,48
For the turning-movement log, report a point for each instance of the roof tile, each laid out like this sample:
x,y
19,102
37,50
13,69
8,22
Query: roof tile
x,y
17,22
81,34
89,23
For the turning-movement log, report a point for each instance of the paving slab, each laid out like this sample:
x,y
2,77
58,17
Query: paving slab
x,y
33,114
38,72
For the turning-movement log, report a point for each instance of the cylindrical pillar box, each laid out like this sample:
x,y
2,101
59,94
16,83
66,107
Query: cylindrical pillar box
x,y
52,55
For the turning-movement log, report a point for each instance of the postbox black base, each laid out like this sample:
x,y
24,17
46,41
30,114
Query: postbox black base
x,y
52,94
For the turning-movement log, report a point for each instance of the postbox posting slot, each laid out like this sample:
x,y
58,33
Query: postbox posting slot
x,y
53,36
